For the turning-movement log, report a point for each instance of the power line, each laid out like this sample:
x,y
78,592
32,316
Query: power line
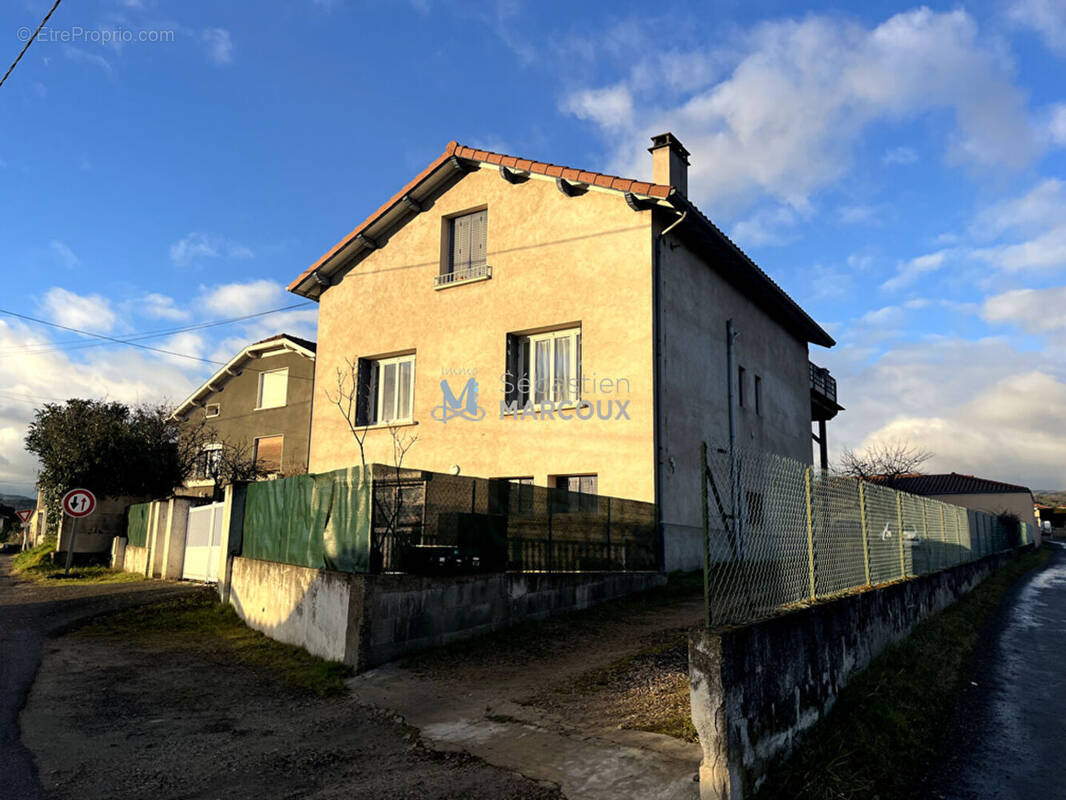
x,y
111,339
75,345
30,41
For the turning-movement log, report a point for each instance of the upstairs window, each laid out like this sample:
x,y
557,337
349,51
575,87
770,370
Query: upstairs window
x,y
466,250
544,367
212,410
273,388
386,390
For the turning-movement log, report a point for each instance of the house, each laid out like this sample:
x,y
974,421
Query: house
x,y
255,408
969,491
552,325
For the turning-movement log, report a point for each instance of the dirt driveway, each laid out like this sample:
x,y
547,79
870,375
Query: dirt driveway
x,y
29,613
563,700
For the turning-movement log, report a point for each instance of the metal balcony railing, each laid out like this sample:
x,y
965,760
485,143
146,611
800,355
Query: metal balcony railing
x,y
471,273
822,382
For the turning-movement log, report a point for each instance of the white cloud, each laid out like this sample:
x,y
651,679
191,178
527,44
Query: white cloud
x,y
1042,206
610,108
1033,310
160,306
31,376
983,407
67,257
784,122
858,214
1045,17
197,247
1046,252
237,299
767,226
219,45
85,57
901,156
86,312
910,271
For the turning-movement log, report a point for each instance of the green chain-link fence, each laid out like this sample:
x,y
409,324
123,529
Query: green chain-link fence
x,y
779,532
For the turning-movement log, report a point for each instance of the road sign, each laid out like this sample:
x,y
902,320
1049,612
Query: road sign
x,y
79,502
25,514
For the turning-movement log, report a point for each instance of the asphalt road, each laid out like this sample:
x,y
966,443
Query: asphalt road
x,y
1010,733
29,613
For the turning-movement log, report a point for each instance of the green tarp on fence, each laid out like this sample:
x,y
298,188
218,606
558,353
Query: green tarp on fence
x,y
318,521
137,526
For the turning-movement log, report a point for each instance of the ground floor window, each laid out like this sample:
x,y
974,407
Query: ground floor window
x,y
268,452
576,492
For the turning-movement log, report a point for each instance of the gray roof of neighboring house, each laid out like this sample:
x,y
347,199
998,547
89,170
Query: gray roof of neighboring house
x,y
951,483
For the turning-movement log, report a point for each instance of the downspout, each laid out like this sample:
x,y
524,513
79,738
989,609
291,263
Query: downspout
x,y
657,381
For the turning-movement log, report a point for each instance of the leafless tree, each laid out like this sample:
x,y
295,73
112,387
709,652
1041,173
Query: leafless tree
x,y
206,455
885,462
352,400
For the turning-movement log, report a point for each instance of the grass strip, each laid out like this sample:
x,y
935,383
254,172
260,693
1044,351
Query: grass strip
x,y
886,727
199,624
36,565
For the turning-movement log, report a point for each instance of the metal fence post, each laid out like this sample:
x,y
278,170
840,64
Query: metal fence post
x,y
706,539
810,533
899,531
608,534
551,501
865,536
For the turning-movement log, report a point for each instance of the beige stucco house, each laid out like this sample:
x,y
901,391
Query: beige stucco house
x,y
258,403
532,321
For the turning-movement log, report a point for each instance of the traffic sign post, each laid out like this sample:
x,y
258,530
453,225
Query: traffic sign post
x,y
25,515
77,503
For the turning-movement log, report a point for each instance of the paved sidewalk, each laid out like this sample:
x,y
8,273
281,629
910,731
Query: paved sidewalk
x,y
29,613
1009,735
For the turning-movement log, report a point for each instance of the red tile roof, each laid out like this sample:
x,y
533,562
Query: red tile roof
x,y
539,167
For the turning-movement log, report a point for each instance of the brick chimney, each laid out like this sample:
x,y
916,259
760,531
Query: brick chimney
x,y
669,160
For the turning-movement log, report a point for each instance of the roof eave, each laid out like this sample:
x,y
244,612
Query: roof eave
x,y
750,275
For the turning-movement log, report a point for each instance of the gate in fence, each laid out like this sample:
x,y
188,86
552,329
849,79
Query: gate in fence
x,y
203,543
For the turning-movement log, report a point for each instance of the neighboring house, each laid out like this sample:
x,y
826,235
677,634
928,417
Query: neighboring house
x,y
260,402
538,288
979,494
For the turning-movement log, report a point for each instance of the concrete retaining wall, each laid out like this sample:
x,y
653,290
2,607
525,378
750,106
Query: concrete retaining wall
x,y
367,620
405,613
135,559
295,605
756,689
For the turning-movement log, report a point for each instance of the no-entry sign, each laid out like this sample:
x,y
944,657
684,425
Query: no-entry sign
x,y
79,502
25,514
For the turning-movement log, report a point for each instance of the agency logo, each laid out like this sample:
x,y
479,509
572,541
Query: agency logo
x,y
465,405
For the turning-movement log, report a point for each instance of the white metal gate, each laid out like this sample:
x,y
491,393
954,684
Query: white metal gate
x,y
203,540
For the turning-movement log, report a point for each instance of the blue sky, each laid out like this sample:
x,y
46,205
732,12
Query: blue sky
x,y
900,170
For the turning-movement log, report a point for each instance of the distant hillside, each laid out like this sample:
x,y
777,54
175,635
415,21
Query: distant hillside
x,y
1051,498
18,501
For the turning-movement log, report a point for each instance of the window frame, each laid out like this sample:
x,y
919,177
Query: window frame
x,y
524,371
375,394
262,381
448,264
758,395
208,407
202,468
281,455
